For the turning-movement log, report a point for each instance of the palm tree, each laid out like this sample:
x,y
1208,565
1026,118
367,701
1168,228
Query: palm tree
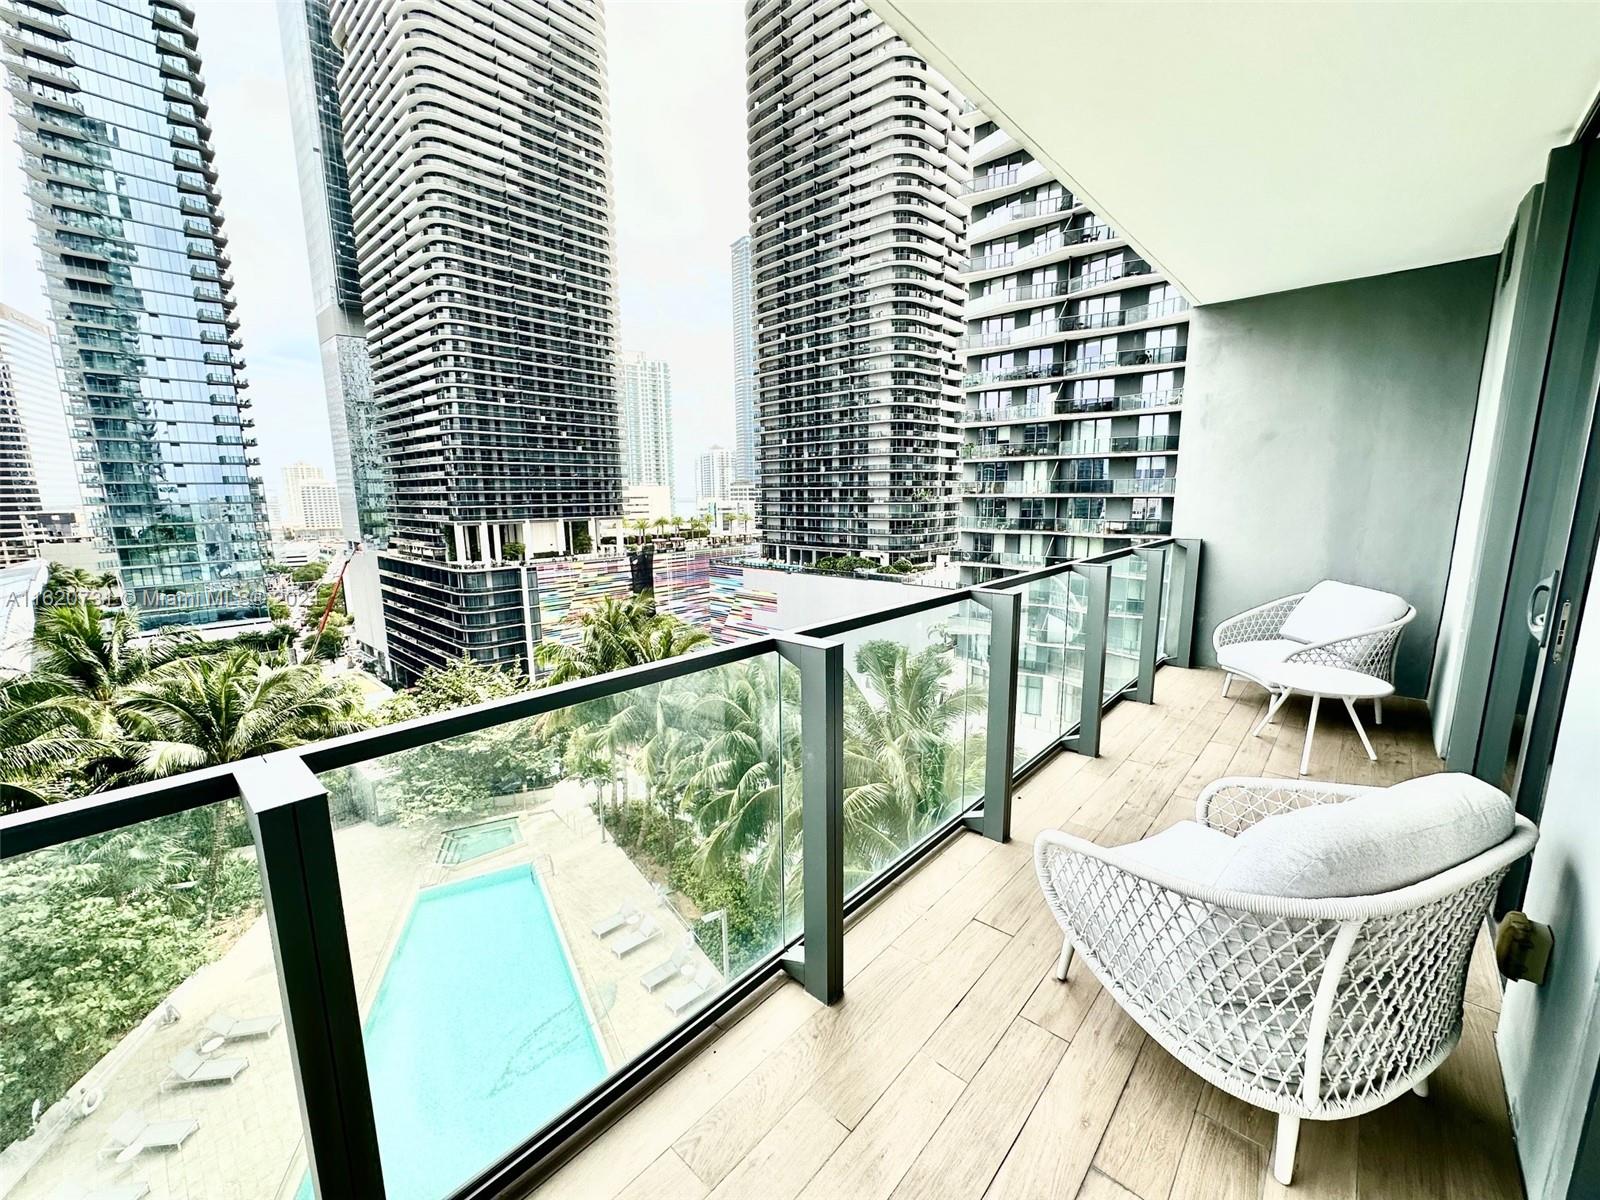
x,y
204,711
748,764
661,525
44,730
905,757
207,710
91,654
613,634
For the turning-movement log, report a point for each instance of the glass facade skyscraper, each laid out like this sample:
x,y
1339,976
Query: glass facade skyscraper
x,y
116,148
311,66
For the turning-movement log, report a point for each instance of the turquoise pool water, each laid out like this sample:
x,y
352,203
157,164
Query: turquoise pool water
x,y
478,1036
474,841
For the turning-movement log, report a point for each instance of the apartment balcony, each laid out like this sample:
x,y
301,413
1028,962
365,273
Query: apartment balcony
x,y
1041,331
1154,485
1067,368
1131,444
1068,526
1166,398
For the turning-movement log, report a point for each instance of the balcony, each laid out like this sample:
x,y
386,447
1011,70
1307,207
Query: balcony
x,y
1164,443
955,1054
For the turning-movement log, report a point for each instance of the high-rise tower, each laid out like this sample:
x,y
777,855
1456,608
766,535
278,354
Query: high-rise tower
x,y
857,160
1075,349
476,137
744,363
645,387
311,67
25,346
116,149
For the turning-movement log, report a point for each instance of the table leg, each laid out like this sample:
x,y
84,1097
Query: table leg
x,y
1311,729
1360,732
1275,703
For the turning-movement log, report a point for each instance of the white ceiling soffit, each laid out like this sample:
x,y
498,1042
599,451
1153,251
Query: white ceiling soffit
x,y
1251,148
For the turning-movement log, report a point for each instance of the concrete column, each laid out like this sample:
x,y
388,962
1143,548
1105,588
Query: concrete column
x,y
461,542
483,542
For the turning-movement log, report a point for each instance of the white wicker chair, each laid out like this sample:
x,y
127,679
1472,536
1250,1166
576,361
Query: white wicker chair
x,y
1312,1009
1248,645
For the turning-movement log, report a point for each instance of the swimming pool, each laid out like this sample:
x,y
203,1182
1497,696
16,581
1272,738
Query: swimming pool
x,y
474,841
478,1035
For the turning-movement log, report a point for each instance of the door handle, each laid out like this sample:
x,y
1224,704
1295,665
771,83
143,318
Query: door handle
x,y
1539,613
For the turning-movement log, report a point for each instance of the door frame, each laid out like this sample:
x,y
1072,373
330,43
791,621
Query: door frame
x,y
1572,380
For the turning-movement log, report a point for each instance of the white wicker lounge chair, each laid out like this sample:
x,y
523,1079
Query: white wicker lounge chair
x,y
1332,625
1312,1005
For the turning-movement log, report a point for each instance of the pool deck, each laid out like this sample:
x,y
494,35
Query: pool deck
x,y
249,1142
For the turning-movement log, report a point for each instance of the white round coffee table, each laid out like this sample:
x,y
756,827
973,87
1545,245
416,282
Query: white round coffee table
x,y
1334,683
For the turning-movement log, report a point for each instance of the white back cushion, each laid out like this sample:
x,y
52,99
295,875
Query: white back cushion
x,y
1333,610
1373,843
1188,850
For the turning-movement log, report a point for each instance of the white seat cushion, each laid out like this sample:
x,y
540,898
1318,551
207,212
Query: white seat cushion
x,y
1373,843
1333,610
1256,659
1188,850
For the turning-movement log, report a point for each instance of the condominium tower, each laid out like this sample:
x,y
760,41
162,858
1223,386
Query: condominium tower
x,y
25,347
645,387
744,363
1075,349
857,161
19,491
476,137
116,150
311,68
714,474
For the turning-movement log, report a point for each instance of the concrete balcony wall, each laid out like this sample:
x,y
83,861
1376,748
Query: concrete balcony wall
x,y
1325,436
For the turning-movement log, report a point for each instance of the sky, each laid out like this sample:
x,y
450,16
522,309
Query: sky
x,y
676,73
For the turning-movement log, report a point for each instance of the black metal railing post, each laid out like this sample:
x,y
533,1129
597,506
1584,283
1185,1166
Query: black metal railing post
x,y
993,820
819,961
1096,623
1185,590
287,808
1155,561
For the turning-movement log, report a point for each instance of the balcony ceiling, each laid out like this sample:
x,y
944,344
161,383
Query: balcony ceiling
x,y
1250,149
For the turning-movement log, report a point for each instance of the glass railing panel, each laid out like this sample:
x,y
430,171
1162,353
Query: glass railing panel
x,y
1167,557
916,707
141,1038
1123,623
1049,663
531,906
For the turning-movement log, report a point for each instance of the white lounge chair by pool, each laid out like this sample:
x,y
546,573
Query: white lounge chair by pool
x,y
700,985
666,972
136,1189
131,1133
638,936
189,1069
627,913
231,1029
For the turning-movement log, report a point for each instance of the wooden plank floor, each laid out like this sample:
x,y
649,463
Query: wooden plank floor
x,y
957,1068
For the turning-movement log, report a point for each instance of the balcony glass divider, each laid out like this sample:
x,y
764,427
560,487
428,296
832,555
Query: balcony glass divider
x,y
287,807
1096,628
1186,584
1155,563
